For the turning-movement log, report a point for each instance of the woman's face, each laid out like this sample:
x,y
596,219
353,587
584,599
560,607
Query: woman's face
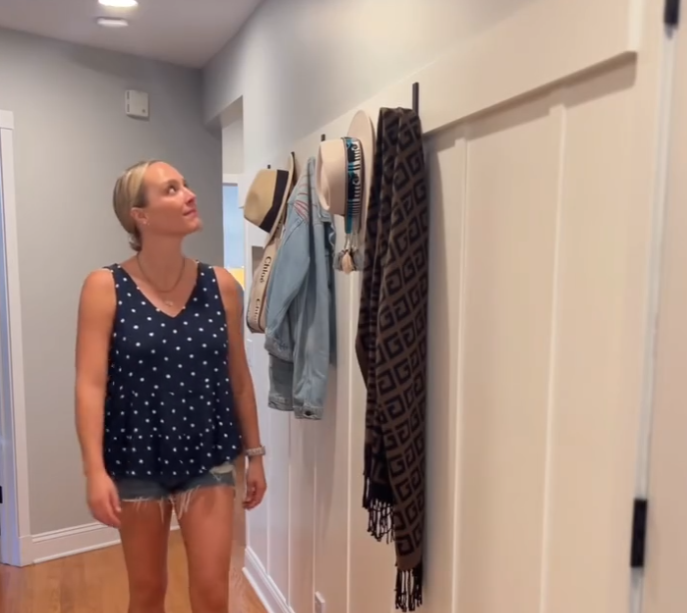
x,y
171,208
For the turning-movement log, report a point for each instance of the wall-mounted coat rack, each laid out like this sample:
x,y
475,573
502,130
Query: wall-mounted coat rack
x,y
293,153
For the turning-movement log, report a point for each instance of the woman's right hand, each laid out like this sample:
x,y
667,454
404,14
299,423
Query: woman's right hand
x,y
103,499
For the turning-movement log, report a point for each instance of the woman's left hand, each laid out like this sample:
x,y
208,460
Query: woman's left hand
x,y
255,483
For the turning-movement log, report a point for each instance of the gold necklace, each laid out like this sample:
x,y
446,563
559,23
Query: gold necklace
x,y
165,301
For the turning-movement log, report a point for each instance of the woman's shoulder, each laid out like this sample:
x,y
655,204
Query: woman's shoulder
x,y
229,287
98,291
224,278
101,278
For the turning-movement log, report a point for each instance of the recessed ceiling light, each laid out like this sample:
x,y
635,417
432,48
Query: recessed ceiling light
x,y
119,4
112,22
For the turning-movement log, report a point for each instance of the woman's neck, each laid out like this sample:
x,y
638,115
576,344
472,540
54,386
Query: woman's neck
x,y
161,262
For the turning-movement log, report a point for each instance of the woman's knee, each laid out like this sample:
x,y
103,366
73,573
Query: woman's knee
x,y
147,593
210,596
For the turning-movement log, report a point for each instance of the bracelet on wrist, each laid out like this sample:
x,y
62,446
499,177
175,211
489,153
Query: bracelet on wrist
x,y
255,452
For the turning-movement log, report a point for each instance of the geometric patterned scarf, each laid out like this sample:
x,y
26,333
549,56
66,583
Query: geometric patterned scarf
x,y
391,347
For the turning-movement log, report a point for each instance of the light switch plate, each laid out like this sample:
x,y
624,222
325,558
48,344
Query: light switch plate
x,y
137,104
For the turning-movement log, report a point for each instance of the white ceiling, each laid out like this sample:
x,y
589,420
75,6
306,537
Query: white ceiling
x,y
186,32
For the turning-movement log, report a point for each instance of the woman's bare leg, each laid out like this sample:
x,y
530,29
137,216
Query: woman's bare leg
x,y
145,537
206,519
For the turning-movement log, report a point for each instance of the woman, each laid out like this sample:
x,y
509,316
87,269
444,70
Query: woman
x,y
164,398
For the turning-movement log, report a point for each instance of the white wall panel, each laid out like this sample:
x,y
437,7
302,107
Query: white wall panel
x,y
512,177
540,165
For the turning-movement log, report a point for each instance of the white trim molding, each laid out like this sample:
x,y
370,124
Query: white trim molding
x,y
234,179
14,512
71,541
266,589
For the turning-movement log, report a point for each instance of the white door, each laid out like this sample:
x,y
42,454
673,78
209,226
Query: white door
x,y
666,563
3,383
5,387
14,518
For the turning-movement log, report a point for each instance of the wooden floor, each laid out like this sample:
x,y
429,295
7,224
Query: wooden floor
x,y
95,582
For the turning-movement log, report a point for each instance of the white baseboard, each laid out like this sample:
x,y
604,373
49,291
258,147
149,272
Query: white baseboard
x,y
71,541
266,589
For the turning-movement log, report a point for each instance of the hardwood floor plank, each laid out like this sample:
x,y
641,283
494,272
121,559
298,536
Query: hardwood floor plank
x,y
95,582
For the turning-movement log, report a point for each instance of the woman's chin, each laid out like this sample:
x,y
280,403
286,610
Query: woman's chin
x,y
195,225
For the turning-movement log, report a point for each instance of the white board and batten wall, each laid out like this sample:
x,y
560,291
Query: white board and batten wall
x,y
544,162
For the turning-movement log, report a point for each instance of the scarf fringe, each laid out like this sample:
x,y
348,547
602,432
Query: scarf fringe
x,y
409,588
380,522
378,502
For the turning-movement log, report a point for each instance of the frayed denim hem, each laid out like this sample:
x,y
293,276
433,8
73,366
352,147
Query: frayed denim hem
x,y
279,403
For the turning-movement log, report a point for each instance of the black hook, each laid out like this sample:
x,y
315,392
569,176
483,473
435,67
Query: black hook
x,y
416,97
323,137
269,166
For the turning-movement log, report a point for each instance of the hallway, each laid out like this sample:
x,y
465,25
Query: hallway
x,y
95,582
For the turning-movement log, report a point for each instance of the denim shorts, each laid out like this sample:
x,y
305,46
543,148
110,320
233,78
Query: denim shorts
x,y
132,489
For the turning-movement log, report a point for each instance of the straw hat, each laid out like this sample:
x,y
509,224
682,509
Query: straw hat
x,y
343,181
265,205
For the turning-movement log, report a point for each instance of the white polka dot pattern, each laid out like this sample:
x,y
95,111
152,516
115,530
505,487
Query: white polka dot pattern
x,y
169,410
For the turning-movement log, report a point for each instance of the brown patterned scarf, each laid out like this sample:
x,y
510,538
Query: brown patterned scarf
x,y
391,347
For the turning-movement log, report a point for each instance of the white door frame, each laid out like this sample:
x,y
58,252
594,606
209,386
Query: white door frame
x,y
15,530
233,179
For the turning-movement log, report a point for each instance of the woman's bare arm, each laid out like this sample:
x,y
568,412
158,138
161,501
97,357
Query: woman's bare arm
x,y
96,315
239,372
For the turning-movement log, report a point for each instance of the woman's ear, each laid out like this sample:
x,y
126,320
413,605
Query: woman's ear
x,y
139,217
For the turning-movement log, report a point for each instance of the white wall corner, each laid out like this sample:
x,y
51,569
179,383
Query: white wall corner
x,y
6,120
267,591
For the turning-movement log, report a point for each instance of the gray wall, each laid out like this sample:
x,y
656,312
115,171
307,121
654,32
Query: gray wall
x,y
72,138
299,64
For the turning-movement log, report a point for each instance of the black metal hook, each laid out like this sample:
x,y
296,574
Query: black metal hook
x,y
416,97
323,137
269,166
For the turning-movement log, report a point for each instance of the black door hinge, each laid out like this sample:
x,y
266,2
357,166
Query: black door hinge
x,y
671,14
639,524
0,494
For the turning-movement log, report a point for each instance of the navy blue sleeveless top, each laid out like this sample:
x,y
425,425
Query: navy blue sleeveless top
x,y
169,409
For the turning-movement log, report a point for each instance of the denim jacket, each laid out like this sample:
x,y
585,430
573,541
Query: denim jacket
x,y
300,323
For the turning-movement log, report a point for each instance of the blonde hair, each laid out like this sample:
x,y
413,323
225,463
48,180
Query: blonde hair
x,y
129,193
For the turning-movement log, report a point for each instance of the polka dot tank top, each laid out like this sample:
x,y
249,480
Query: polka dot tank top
x,y
169,409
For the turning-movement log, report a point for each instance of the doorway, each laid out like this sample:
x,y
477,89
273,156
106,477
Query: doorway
x,y
15,534
232,214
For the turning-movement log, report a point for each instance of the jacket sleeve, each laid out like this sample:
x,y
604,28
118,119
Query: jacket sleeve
x,y
313,350
286,279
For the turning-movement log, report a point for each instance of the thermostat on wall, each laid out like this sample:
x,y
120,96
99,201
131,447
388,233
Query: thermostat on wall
x,y
137,104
